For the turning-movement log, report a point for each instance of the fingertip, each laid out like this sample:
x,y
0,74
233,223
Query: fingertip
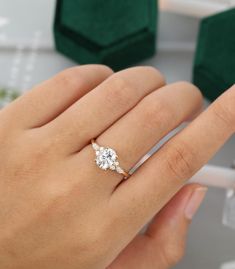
x,y
194,202
150,73
106,68
179,211
187,201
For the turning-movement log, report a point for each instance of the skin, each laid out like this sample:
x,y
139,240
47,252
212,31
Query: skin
x,y
59,210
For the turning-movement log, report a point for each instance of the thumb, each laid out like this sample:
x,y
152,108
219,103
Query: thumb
x,y
162,245
169,228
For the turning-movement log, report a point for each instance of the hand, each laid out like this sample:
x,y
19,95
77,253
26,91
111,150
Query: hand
x,y
59,210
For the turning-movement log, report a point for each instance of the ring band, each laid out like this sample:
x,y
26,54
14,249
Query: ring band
x,y
107,158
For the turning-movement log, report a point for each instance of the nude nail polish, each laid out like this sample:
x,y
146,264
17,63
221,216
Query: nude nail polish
x,y
194,202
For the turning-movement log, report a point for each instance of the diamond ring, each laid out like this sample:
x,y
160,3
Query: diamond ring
x,y
106,158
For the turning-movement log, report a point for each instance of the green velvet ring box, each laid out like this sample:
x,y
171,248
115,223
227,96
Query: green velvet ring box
x,y
116,33
214,67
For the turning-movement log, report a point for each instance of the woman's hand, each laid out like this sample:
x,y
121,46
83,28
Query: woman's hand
x,y
59,210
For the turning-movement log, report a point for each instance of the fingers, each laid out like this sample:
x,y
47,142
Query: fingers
x,y
165,172
47,100
163,244
99,109
153,118
139,130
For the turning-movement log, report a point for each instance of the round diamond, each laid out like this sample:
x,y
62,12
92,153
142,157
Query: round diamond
x,y
106,158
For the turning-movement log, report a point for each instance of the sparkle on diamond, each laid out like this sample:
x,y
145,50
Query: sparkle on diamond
x,y
106,158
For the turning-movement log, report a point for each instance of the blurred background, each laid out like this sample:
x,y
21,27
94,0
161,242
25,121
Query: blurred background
x,y
27,57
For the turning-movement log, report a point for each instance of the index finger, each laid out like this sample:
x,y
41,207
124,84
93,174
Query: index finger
x,y
158,179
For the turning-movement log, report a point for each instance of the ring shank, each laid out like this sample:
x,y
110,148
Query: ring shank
x,y
126,175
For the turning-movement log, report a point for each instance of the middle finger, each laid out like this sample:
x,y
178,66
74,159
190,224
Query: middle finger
x,y
98,109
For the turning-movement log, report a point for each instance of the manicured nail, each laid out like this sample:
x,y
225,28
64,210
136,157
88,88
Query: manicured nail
x,y
194,202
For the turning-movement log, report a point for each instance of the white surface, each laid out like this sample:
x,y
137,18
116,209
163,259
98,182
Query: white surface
x,y
196,8
215,176
230,265
210,243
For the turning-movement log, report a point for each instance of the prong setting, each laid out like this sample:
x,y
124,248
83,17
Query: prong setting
x,y
107,159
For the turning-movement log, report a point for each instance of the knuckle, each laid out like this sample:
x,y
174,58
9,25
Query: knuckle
x,y
70,77
155,112
150,70
107,68
156,73
118,91
190,87
180,160
186,84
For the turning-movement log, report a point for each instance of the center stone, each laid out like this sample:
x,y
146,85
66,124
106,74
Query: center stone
x,y
106,158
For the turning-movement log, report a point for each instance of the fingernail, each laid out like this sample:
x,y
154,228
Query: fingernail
x,y
194,202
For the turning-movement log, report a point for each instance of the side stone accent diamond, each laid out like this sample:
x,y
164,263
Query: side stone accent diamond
x,y
119,170
95,146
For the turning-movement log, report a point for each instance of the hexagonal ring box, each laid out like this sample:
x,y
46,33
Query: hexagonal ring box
x,y
214,67
116,33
